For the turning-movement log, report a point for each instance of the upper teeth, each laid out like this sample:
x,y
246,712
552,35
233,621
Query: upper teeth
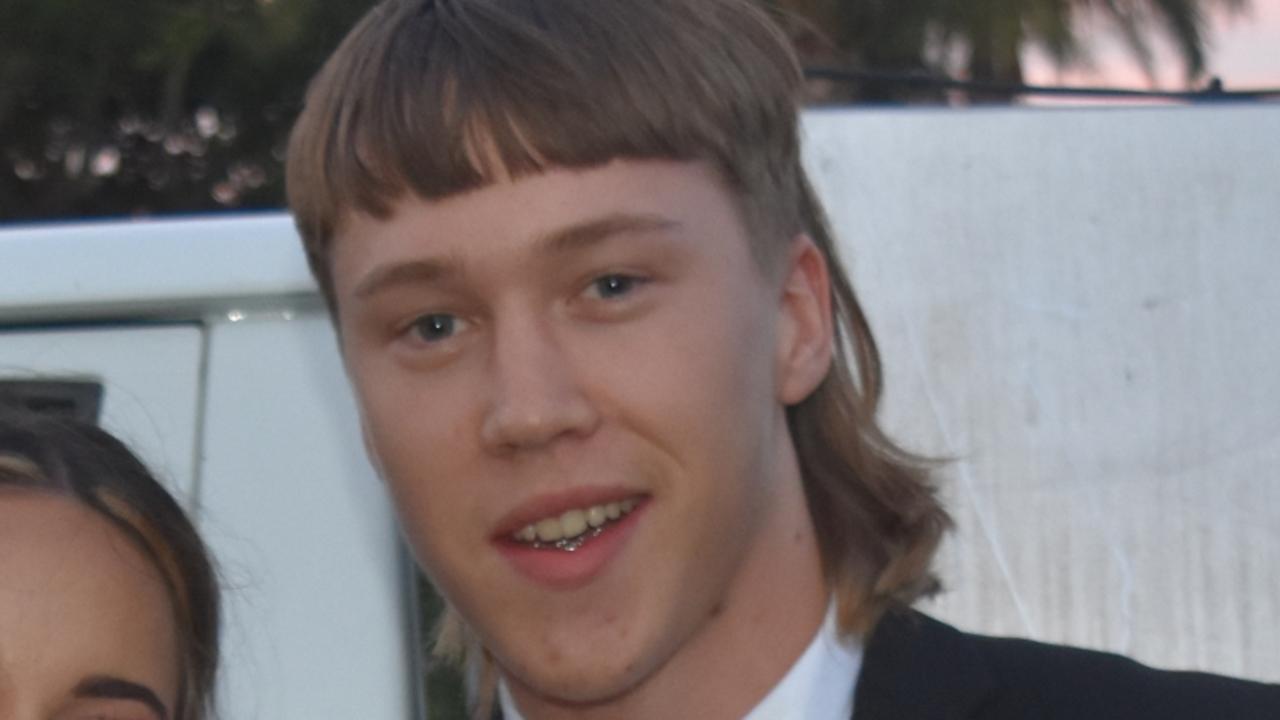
x,y
573,523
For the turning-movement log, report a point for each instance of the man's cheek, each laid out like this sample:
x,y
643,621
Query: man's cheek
x,y
436,541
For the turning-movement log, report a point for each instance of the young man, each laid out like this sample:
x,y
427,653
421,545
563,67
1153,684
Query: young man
x,y
591,309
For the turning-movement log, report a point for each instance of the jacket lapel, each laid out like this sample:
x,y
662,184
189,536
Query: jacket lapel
x,y
916,668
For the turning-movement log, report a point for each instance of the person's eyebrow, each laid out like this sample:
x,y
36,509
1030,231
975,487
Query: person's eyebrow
x,y
595,231
113,688
412,272
573,237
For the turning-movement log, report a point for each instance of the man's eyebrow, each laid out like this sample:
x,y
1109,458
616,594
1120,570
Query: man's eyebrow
x,y
404,273
113,688
596,230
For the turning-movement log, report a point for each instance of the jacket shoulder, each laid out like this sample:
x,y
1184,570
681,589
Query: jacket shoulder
x,y
918,667
1043,680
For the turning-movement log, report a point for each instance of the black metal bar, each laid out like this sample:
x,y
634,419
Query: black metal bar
x,y
78,399
1213,93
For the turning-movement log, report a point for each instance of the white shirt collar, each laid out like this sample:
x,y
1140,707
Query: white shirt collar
x,y
819,686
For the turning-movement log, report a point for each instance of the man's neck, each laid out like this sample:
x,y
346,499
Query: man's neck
x,y
821,684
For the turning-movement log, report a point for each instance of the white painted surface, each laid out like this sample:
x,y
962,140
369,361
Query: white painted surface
x,y
1081,307
302,530
268,456
124,268
150,378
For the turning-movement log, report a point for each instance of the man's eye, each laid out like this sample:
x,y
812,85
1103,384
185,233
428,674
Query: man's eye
x,y
435,327
611,286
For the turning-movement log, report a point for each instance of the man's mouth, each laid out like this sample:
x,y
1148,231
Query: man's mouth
x,y
570,529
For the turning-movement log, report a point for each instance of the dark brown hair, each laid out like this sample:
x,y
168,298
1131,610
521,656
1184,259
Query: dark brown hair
x,y
431,98
50,454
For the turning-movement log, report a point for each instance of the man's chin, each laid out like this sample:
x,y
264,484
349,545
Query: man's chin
x,y
580,684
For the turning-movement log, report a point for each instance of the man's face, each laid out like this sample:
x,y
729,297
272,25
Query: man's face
x,y
579,350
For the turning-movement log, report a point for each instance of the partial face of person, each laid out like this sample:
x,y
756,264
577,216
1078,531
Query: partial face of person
x,y
574,384
86,626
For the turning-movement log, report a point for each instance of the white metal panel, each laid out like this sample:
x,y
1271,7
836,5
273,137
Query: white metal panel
x,y
151,381
302,530
165,267
1081,307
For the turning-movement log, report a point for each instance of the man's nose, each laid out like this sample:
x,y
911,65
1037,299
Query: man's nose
x,y
536,394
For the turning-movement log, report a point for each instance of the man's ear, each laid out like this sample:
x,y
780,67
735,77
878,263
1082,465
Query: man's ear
x,y
805,335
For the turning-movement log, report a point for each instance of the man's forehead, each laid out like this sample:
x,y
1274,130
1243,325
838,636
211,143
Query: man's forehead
x,y
547,215
580,237
618,194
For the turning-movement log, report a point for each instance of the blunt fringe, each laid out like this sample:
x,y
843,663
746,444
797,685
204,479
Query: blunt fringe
x,y
431,98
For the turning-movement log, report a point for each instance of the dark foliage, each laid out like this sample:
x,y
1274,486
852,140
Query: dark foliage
x,y
135,107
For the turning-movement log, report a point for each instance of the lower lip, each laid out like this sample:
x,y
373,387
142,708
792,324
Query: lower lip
x,y
565,570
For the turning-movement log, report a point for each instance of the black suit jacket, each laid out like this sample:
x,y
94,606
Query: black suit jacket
x,y
916,668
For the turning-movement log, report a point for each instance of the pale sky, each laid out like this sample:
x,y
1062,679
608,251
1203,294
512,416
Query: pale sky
x,y
1244,51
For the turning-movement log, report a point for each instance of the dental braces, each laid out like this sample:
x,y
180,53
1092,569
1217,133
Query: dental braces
x,y
573,543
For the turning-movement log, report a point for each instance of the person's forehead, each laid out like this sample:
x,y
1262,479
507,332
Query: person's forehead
x,y
64,565
522,213
39,523
75,594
